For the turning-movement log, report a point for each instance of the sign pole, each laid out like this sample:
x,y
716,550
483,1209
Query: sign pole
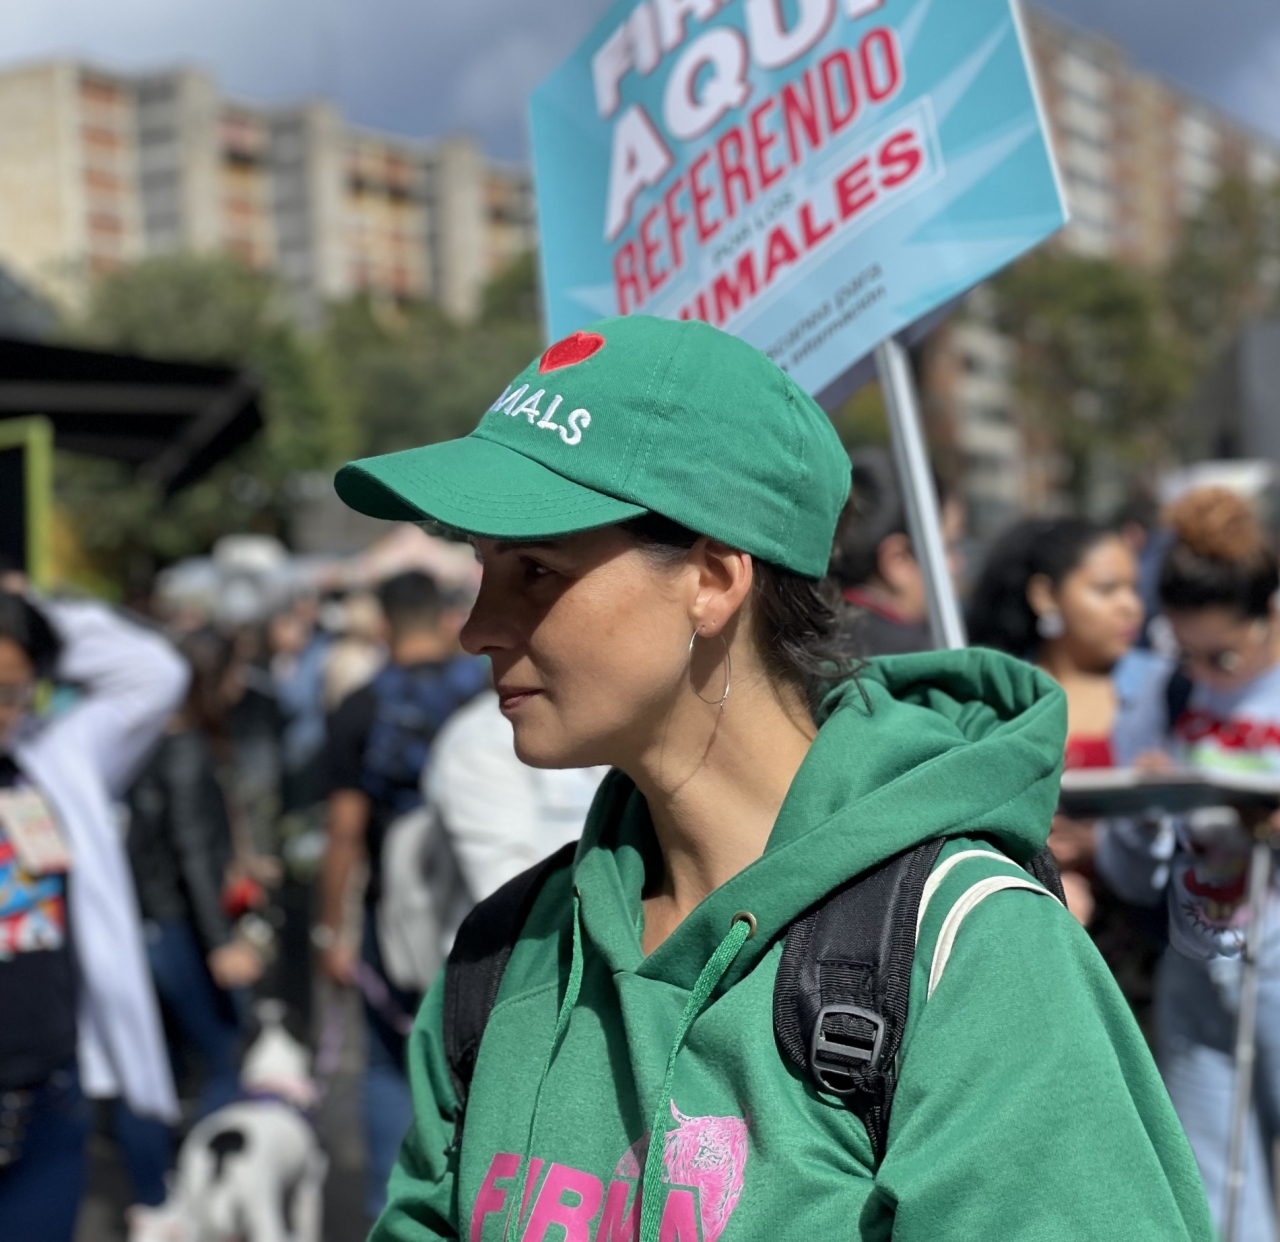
x,y
1246,1038
923,518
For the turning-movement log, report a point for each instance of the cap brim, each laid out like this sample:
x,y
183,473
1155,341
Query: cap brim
x,y
478,487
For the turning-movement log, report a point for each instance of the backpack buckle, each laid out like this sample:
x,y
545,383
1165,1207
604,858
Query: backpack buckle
x,y
838,1058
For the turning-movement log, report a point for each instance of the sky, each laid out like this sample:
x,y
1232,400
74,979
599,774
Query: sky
x,y
426,68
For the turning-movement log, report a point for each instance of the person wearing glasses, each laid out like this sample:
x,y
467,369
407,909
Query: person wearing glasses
x,y
77,1012
1218,586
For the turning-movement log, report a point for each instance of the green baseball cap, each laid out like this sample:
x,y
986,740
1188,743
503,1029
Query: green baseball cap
x,y
632,416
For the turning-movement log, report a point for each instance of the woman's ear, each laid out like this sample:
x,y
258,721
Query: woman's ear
x,y
723,581
1041,595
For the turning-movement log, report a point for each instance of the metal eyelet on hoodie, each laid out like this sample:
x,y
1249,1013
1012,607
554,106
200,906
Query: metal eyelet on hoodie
x,y
745,916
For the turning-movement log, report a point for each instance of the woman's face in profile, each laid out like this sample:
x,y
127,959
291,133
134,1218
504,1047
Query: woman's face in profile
x,y
589,640
17,686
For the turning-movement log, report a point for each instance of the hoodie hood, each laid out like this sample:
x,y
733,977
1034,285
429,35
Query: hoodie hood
x,y
940,744
630,1099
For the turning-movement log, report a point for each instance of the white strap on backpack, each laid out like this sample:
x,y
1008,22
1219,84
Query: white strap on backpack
x,y
968,901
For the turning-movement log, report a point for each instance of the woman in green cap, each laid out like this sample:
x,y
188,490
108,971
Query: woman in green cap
x,y
654,504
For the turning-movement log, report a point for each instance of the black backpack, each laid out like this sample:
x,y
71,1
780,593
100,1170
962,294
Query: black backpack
x,y
839,1000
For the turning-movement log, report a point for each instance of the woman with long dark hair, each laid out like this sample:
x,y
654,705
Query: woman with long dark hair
x,y
1218,587
1062,593
77,1014
654,504
180,850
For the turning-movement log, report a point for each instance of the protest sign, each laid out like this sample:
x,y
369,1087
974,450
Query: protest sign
x,y
811,175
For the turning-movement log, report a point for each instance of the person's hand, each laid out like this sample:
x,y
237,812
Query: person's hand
x,y
1072,841
338,962
1154,761
14,581
235,965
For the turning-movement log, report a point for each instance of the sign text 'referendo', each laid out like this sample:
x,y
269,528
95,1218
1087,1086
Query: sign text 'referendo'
x,y
812,175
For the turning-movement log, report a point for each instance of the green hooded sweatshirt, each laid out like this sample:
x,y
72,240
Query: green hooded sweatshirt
x,y
1027,1105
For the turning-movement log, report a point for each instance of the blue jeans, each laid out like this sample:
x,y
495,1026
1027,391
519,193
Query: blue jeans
x,y
205,1018
1196,1004
40,1193
388,1105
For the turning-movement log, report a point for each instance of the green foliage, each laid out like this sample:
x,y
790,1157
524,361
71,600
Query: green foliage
x,y
203,309
1101,369
193,307
211,309
512,297
415,377
1227,266
376,379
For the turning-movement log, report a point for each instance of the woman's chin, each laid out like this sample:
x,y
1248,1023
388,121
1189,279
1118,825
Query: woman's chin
x,y
536,750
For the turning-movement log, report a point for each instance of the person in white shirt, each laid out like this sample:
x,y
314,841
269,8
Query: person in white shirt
x,y
77,1010
501,816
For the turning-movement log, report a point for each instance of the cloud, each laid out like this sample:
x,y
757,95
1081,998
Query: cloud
x,y
428,67
1253,92
1225,51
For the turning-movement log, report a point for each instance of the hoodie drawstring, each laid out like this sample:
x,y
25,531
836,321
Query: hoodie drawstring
x,y
562,1024
740,932
650,1206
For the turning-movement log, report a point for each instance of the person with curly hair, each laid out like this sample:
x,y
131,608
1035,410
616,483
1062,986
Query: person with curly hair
x,y
1062,593
1218,585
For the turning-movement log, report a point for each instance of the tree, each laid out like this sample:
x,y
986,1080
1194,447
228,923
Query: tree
x,y
1226,268
413,376
203,309
1100,367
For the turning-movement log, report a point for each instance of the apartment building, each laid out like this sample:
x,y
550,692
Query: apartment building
x,y
1137,158
100,169
68,175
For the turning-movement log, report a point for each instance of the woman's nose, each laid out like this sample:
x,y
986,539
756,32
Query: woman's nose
x,y
485,630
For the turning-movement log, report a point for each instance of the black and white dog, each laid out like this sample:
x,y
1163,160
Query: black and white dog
x,y
253,1171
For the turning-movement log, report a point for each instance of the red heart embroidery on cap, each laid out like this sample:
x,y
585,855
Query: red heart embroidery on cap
x,y
571,351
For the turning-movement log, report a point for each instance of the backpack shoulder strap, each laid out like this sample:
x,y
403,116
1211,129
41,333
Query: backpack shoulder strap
x,y
477,961
840,998
841,995
1044,867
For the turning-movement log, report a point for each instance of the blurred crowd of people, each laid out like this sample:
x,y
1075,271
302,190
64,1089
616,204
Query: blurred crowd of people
x,y
1162,631
196,813
201,806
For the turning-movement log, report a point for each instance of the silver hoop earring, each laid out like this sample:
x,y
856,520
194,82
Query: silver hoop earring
x,y
1051,625
728,672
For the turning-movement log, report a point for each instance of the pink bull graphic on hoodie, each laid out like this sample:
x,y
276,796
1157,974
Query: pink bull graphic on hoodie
x,y
709,1154
705,1162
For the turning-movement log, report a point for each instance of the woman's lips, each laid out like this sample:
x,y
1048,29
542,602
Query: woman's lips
x,y
511,699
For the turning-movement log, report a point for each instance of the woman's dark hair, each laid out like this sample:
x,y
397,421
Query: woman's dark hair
x,y
799,618
1222,557
24,625
209,655
1000,615
874,511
